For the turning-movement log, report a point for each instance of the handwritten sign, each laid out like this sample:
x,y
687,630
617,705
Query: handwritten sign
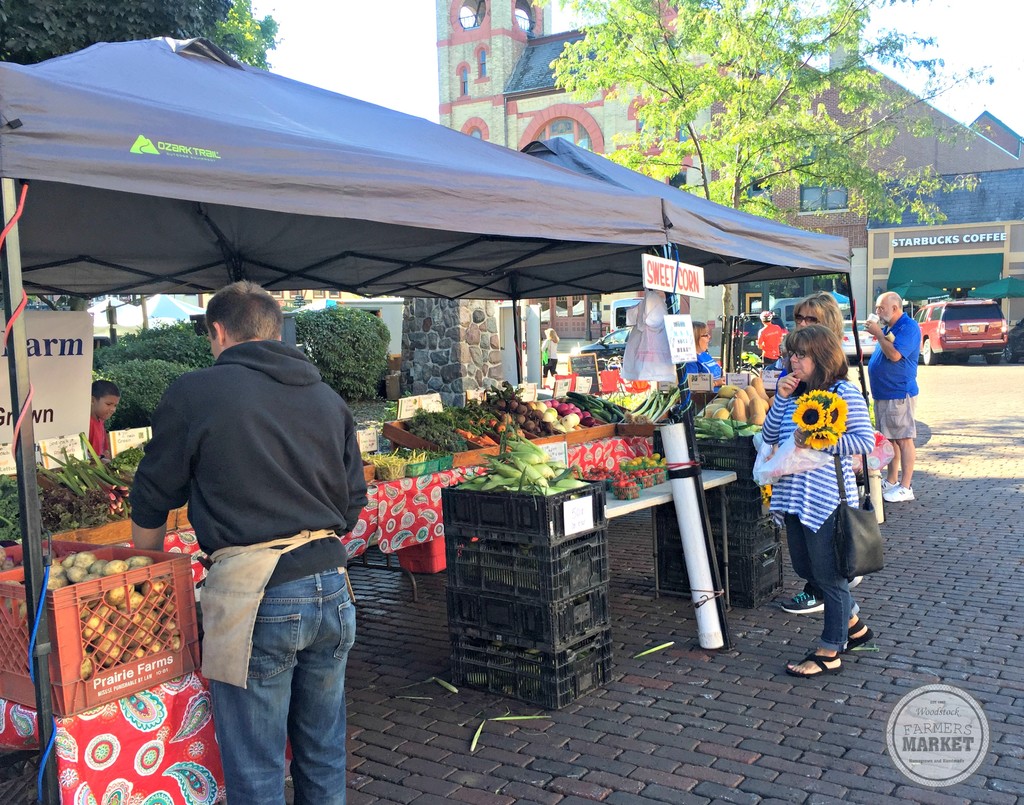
x,y
408,406
770,378
7,463
672,277
368,442
557,451
563,386
699,382
475,395
578,515
740,379
528,392
681,344
121,440
584,366
60,448
584,384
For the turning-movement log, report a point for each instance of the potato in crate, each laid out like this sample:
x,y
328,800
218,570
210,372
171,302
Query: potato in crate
x,y
121,620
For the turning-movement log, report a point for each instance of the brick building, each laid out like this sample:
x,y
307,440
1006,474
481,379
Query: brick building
x,y
496,83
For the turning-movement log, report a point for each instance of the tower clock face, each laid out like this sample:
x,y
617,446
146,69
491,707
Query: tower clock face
x,y
471,15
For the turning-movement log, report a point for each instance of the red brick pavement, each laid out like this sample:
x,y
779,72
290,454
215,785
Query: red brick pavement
x,y
684,725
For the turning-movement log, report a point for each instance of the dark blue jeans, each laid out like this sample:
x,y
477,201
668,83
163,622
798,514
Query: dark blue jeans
x,y
814,558
296,690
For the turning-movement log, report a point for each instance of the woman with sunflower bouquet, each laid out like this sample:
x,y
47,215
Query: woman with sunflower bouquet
x,y
822,410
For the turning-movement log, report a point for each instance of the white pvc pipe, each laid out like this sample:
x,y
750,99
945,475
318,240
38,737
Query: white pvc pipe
x,y
691,532
875,491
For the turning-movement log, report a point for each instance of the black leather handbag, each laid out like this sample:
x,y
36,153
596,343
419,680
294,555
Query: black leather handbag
x,y
858,539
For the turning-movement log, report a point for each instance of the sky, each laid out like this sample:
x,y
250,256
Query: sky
x,y
386,52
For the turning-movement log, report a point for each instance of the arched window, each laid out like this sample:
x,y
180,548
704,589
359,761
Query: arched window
x,y
566,129
471,15
482,64
475,132
524,15
464,82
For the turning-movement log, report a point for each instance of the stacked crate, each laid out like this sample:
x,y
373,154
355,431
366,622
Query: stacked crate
x,y
528,592
755,542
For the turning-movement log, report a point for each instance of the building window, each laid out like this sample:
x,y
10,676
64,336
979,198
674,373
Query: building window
x,y
524,16
821,198
475,132
319,294
565,128
482,64
464,82
471,15
277,294
562,306
334,294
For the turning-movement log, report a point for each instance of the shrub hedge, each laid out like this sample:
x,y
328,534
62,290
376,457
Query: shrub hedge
x,y
348,346
142,384
177,343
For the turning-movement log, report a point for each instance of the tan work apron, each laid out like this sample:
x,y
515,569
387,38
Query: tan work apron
x,y
231,596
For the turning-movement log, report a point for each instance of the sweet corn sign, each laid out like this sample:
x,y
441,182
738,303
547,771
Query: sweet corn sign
x,y
60,370
672,277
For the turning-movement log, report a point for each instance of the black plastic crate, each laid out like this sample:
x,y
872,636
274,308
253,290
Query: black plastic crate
x,y
743,502
549,679
736,454
757,579
516,517
543,573
528,623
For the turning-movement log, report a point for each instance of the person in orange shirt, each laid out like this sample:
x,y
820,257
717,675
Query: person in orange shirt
x,y
105,397
769,338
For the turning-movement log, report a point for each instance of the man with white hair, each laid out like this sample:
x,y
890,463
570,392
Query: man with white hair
x,y
893,374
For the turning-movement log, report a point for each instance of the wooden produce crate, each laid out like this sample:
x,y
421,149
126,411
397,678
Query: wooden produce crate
x,y
110,637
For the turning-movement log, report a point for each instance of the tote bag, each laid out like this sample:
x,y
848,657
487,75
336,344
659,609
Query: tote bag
x,y
858,539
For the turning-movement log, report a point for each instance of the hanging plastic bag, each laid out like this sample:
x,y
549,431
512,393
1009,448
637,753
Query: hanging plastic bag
x,y
788,459
647,355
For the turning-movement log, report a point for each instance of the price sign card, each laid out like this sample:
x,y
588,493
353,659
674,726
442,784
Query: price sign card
x,y
583,384
528,392
474,395
681,346
770,378
408,406
700,382
367,438
60,448
121,440
562,387
7,463
557,451
578,515
741,379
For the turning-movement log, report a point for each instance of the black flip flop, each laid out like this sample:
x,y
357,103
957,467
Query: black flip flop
x,y
820,662
852,642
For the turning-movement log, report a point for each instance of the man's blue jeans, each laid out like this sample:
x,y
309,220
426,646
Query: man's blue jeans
x,y
296,690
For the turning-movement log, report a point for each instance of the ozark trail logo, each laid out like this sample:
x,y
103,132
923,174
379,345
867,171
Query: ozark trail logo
x,y
144,145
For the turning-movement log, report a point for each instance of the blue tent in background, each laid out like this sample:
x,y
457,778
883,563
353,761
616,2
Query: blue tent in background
x,y
162,308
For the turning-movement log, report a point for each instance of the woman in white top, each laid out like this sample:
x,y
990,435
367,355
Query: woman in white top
x,y
550,348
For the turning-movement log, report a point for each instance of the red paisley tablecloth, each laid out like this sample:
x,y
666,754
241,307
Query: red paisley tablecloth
x,y
155,747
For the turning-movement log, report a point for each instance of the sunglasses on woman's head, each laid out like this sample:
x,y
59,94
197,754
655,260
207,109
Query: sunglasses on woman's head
x,y
805,319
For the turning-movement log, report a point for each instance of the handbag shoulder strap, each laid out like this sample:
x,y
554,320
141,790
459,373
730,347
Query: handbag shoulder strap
x,y
840,481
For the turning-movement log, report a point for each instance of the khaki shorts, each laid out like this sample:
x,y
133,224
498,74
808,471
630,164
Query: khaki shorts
x,y
895,418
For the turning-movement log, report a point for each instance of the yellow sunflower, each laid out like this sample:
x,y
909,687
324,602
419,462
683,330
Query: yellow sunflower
x,y
821,439
810,414
836,415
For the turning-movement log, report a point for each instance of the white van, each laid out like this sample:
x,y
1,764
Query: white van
x,y
620,307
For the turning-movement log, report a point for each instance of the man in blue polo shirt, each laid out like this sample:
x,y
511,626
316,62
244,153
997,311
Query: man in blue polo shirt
x,y
893,374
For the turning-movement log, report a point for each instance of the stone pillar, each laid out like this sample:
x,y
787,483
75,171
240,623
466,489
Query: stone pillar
x,y
449,347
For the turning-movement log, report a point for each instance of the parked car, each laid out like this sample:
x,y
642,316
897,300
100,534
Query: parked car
x,y
958,328
868,343
609,350
1015,343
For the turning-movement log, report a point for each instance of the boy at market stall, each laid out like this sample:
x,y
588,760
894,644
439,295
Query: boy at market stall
x,y
105,397
265,454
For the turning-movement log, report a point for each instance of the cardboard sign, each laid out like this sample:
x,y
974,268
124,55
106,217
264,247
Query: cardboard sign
x,y
699,382
121,440
681,344
367,438
528,392
740,379
578,515
408,406
770,378
672,277
558,451
60,368
562,387
60,448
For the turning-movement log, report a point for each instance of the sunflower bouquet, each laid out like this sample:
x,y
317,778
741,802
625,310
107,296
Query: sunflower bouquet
x,y
821,415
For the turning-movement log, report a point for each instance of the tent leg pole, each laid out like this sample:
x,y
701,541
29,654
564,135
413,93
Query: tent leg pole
x,y
517,334
28,492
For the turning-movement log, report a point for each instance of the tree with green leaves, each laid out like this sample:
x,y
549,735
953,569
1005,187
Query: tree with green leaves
x,y
35,30
763,96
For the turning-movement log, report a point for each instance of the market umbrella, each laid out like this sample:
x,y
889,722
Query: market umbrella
x,y
917,290
1005,288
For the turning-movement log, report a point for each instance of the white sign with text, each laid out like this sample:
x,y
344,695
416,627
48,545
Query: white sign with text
x,y
681,344
557,451
578,515
121,440
740,379
408,406
60,448
673,277
770,378
367,438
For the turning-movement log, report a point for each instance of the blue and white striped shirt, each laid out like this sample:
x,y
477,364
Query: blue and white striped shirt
x,y
814,495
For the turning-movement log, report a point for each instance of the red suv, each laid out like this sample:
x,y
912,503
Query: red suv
x,y
959,328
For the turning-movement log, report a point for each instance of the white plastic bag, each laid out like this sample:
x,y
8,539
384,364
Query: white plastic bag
x,y
788,459
647,355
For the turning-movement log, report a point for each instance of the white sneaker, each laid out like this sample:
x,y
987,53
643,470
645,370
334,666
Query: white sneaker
x,y
856,580
900,494
887,485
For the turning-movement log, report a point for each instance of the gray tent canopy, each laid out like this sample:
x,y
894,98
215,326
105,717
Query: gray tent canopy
x,y
162,166
759,248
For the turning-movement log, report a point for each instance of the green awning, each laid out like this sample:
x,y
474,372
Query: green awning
x,y
947,271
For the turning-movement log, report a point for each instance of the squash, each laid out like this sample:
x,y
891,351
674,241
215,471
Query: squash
x,y
727,392
758,386
756,413
721,413
739,408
